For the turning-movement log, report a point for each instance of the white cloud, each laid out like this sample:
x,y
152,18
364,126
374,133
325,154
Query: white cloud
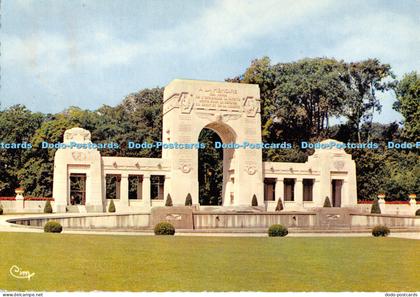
x,y
228,24
390,37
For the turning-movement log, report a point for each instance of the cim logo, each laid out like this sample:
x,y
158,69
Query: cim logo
x,y
18,273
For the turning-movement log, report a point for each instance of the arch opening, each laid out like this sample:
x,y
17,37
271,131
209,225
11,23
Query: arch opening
x,y
215,170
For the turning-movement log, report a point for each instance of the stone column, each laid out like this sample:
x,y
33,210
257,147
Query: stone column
x,y
279,189
146,190
139,187
299,192
381,202
316,194
413,203
124,190
166,189
118,188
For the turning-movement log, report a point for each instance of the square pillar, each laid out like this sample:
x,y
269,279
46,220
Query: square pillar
x,y
279,189
139,187
124,189
299,192
317,195
146,190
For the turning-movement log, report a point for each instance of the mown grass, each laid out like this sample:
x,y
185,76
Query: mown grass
x,y
65,262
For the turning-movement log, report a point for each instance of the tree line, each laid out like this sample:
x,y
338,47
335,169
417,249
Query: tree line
x,y
306,100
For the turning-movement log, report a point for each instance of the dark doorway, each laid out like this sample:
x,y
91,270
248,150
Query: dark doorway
x,y
336,186
289,189
157,186
269,189
77,189
308,185
210,169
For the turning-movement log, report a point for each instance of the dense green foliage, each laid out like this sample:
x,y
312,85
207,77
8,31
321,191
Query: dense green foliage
x,y
375,207
48,207
299,100
111,207
277,230
53,227
164,228
168,200
380,230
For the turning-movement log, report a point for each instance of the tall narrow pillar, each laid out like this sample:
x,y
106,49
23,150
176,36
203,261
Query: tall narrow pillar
x,y
139,187
316,193
299,192
124,189
279,189
146,189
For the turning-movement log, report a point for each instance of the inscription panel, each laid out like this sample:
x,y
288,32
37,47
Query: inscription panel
x,y
218,99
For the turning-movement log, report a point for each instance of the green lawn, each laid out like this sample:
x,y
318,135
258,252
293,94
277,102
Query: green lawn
x,y
65,262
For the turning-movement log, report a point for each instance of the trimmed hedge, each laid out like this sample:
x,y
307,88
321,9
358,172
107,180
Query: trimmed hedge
x,y
254,200
53,227
327,202
279,206
168,200
375,207
277,230
188,200
380,230
418,212
1,210
164,228
111,207
48,207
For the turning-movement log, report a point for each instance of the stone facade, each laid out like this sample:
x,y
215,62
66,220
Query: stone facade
x,y
231,110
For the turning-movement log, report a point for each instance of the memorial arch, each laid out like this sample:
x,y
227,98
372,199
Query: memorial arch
x,y
231,110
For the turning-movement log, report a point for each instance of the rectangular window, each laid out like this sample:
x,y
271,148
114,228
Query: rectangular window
x,y
289,189
157,186
308,185
113,182
135,186
77,189
269,189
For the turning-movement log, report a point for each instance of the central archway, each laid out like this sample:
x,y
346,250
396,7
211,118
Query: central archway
x,y
230,110
215,171
210,169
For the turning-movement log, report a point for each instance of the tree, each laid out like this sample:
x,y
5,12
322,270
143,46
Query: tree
x,y
17,125
48,207
279,206
364,80
375,207
188,200
327,202
168,200
111,207
254,200
408,104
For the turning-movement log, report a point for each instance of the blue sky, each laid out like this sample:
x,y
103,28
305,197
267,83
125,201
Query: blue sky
x,y
58,53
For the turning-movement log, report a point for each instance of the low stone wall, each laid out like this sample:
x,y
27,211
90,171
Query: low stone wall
x,y
371,220
331,219
211,220
392,208
23,206
100,221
